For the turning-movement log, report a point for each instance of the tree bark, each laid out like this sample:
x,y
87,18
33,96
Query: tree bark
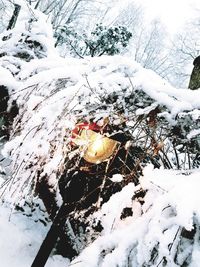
x,y
14,17
194,82
37,4
52,236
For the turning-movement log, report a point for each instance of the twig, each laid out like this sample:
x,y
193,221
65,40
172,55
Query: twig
x,y
176,155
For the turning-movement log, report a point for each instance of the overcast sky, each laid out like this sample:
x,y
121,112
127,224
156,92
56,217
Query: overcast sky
x,y
173,13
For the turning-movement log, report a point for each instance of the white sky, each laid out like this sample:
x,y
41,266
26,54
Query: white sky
x,y
173,13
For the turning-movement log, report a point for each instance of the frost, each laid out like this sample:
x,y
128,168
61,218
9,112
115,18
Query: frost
x,y
145,223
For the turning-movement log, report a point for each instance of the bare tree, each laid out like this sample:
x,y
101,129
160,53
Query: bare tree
x,y
63,12
184,49
148,45
130,16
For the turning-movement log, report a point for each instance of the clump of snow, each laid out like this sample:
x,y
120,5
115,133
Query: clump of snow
x,y
193,134
116,178
154,236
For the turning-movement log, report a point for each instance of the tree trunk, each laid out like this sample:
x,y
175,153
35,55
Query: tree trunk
x,y
52,236
14,17
194,82
37,4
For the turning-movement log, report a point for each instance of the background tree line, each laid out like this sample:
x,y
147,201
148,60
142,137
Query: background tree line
x,y
94,28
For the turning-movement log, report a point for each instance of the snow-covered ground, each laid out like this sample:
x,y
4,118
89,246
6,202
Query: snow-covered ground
x,y
53,94
21,237
171,204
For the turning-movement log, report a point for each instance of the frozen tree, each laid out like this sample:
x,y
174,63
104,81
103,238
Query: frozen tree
x,y
150,49
73,12
23,39
185,48
130,15
102,40
148,44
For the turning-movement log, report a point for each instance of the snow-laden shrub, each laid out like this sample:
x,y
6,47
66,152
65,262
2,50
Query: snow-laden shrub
x,y
163,231
102,40
152,219
149,225
31,37
27,36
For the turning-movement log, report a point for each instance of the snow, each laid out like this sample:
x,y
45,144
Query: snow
x,y
171,201
116,178
53,94
193,134
43,124
7,78
42,117
21,237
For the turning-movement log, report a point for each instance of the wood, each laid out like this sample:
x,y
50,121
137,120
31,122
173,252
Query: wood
x,y
14,17
52,235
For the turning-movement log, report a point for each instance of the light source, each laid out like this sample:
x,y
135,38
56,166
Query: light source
x,y
96,147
